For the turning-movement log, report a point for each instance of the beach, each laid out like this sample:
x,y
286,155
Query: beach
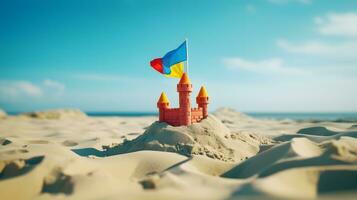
x,y
171,100
65,154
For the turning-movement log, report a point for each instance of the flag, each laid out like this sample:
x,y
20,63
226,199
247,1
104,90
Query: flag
x,y
171,65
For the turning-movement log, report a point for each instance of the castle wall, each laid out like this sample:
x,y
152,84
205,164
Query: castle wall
x,y
196,115
172,116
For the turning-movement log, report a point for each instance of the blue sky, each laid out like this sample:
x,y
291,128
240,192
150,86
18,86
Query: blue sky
x,y
263,55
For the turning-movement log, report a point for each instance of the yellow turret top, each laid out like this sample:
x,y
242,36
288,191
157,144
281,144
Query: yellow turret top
x,y
203,92
184,79
163,98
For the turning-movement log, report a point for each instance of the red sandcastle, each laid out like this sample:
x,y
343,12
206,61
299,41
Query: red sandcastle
x,y
184,115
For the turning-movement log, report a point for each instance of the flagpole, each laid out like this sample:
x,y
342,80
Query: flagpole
x,y
186,55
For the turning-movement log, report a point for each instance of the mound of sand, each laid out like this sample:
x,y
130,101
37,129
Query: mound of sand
x,y
56,114
2,114
209,137
230,116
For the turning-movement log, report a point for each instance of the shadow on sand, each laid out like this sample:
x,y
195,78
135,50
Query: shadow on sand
x,y
316,134
19,167
91,152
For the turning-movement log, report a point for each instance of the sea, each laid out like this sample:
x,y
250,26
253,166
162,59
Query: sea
x,y
308,116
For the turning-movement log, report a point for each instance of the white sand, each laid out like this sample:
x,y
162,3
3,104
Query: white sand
x,y
64,154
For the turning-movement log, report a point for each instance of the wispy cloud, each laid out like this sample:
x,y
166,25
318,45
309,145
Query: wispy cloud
x,y
57,87
346,49
17,89
290,1
105,78
97,77
271,65
250,8
337,24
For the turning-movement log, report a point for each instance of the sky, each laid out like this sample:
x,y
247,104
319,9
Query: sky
x,y
251,55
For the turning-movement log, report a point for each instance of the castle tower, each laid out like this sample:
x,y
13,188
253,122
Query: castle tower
x,y
163,103
184,88
202,101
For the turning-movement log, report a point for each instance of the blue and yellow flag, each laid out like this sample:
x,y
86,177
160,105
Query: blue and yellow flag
x,y
171,65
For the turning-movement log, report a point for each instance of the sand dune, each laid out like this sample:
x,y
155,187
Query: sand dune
x,y
56,114
300,152
317,137
68,155
2,114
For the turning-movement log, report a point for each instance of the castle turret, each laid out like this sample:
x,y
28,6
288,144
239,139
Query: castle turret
x,y
202,101
184,88
163,103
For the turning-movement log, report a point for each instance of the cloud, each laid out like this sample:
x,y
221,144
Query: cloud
x,y
307,48
338,24
19,88
346,49
333,24
272,65
107,78
57,87
11,90
250,8
97,77
290,1
328,83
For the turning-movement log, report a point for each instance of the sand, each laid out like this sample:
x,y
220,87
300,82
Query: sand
x,y
57,114
64,154
209,137
2,114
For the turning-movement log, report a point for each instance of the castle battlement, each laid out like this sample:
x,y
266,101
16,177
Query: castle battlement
x,y
184,115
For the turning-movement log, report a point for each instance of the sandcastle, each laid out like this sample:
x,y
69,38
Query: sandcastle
x,y
184,115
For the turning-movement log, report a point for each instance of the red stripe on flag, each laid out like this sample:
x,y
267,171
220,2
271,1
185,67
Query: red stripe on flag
x,y
157,65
